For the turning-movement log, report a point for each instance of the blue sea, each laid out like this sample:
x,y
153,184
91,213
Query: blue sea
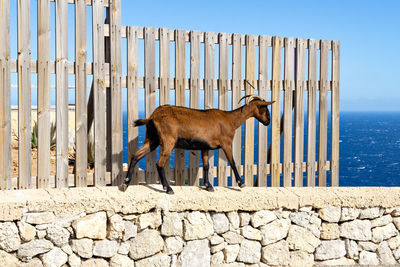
x,y
369,148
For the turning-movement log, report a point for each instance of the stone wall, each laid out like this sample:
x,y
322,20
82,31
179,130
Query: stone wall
x,y
228,227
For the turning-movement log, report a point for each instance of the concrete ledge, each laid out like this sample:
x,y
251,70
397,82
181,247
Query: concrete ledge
x,y
139,199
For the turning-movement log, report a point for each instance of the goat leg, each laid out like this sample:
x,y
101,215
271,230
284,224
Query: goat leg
x,y
207,183
128,178
235,171
164,181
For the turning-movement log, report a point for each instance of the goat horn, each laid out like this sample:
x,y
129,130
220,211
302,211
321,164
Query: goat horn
x,y
251,98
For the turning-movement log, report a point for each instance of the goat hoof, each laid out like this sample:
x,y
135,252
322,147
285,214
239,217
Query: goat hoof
x,y
242,185
124,187
210,188
170,191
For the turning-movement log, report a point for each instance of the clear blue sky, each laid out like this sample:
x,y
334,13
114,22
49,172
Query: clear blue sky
x,y
369,32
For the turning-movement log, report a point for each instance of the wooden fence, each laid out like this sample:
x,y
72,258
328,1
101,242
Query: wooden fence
x,y
301,75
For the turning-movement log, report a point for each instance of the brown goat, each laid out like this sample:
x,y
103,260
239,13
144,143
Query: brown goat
x,y
179,127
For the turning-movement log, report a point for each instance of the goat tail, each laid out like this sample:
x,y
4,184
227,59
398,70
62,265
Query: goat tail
x,y
141,122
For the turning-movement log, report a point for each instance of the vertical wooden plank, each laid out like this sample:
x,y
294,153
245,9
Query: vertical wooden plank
x,y
335,113
311,111
150,94
299,113
99,93
165,37
24,96
194,100
275,121
323,110
223,101
209,57
116,92
179,99
80,94
5,97
132,95
62,92
263,88
249,125
43,114
287,117
236,95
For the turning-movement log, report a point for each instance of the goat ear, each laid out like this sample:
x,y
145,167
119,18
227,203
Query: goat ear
x,y
267,103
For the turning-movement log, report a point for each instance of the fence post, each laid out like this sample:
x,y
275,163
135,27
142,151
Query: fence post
x,y
311,112
5,98
335,113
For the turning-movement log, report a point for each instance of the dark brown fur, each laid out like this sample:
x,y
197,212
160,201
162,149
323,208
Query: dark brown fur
x,y
179,127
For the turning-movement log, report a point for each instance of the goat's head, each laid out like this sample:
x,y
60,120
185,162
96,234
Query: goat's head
x,y
260,108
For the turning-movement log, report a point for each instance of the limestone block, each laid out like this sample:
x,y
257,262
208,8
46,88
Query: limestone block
x,y
217,248
385,254
396,221
250,251
7,260
83,247
58,235
337,262
40,217
197,226
29,250
244,218
74,260
356,230
368,258
9,237
274,231
174,245
302,239
332,249
276,253
159,260
351,249
124,248
301,258
91,226
330,213
172,225
115,227
381,221
35,262
251,233
231,252
121,260
195,254
383,233
232,237
26,231
130,230
262,217
216,239
95,262
394,242
145,244
151,220
300,218
217,258
221,222
105,248
368,246
234,219
330,231
371,213
396,253
349,214
54,258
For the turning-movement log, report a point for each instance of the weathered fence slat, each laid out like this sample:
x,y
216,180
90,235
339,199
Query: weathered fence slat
x,y
150,93
287,113
43,115
275,120
263,88
116,93
209,56
132,96
323,109
99,93
299,113
81,139
62,92
24,96
179,99
311,112
223,101
194,172
335,113
5,97
249,125
165,36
